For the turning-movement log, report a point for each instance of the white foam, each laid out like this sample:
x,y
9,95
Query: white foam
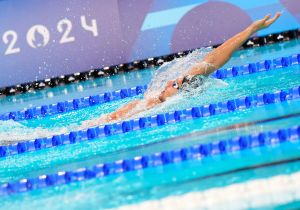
x,y
12,132
173,70
258,193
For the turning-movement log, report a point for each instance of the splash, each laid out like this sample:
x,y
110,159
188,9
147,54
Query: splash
x,y
11,131
192,95
174,69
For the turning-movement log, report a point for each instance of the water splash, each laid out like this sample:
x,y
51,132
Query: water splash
x,y
193,96
174,69
11,131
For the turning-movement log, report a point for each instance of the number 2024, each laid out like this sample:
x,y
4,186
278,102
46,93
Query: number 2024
x,y
64,27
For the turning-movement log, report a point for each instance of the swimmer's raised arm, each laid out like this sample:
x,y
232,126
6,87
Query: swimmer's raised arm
x,y
219,56
213,61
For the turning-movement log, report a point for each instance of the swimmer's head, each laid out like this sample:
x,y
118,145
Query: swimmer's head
x,y
171,89
183,83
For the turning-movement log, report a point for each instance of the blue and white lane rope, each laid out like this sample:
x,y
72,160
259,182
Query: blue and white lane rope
x,y
75,104
196,152
151,121
262,66
72,105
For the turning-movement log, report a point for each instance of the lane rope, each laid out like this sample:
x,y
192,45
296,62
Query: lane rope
x,y
196,152
151,121
80,103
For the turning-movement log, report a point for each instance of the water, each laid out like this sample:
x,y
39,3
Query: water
x,y
176,179
235,88
134,78
173,70
180,179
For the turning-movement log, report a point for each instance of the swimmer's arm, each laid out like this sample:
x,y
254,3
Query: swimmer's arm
x,y
219,56
125,111
120,113
131,109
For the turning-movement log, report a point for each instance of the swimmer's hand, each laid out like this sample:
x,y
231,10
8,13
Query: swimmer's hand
x,y
265,22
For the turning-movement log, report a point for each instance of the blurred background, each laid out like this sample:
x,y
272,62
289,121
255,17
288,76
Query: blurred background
x,y
45,39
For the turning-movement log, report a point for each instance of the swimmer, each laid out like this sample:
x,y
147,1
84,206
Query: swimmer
x,y
210,63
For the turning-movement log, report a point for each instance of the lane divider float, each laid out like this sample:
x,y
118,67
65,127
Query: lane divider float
x,y
151,121
196,152
75,104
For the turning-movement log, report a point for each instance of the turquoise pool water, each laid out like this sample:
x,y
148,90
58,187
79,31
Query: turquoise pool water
x,y
159,182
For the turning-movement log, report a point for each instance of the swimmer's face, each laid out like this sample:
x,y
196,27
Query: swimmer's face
x,y
171,89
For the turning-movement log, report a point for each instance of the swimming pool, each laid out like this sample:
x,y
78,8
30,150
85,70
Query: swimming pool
x,y
176,156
